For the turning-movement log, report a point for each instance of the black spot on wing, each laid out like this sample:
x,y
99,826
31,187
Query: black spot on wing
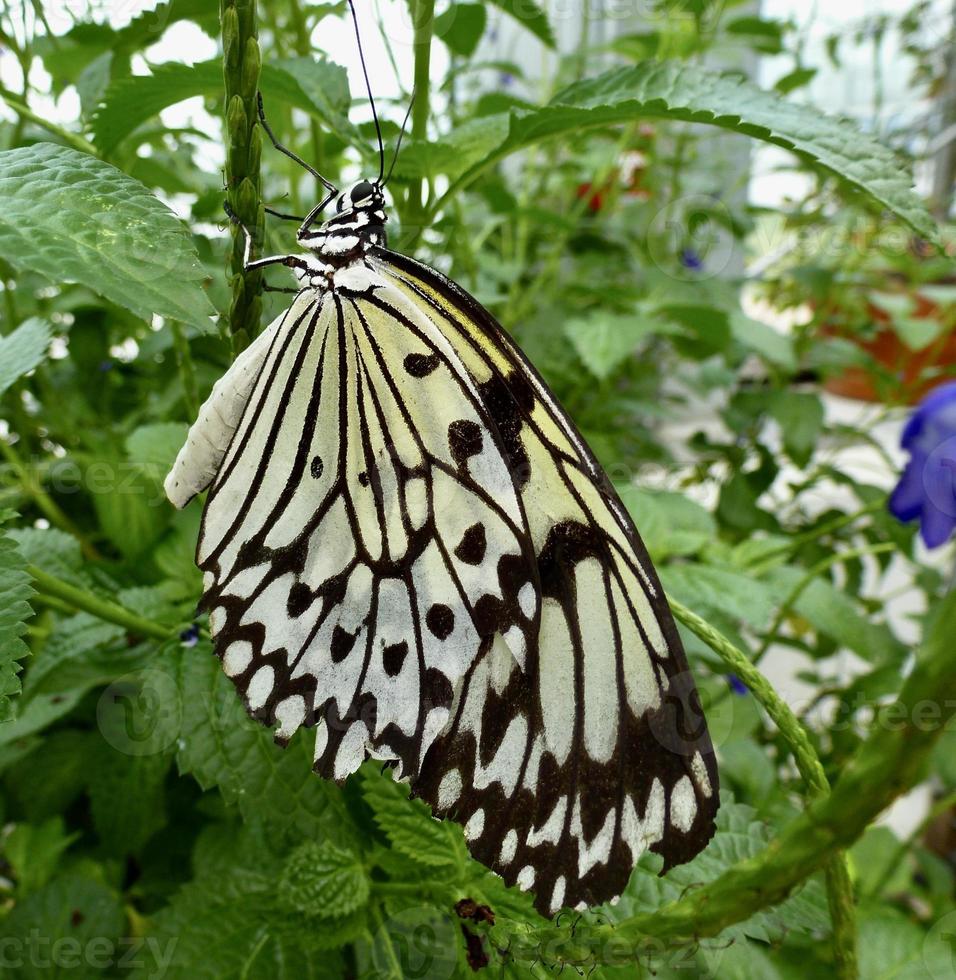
x,y
440,620
316,467
300,598
341,646
503,406
471,548
420,365
393,658
464,440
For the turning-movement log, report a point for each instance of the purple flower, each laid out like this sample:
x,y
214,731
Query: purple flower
x,y
737,685
927,489
689,259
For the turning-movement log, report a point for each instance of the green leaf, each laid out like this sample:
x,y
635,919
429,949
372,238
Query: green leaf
x,y
605,340
74,218
530,15
22,350
835,614
408,824
130,504
322,880
232,926
127,798
892,947
219,745
34,852
314,85
15,591
739,836
461,27
672,90
762,339
669,523
721,589
154,447
74,912
800,415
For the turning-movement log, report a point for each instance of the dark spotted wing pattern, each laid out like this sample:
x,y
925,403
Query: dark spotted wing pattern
x,y
407,545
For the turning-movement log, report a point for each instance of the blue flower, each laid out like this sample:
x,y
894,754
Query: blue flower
x,y
689,259
927,489
737,685
190,636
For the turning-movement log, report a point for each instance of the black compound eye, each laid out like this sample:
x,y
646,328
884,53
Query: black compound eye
x,y
361,191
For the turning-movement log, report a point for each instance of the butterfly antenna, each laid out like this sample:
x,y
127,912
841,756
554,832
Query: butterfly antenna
x,y
401,136
371,99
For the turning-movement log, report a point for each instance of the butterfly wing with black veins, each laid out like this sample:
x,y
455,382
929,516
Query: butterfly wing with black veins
x,y
565,766
407,544
363,540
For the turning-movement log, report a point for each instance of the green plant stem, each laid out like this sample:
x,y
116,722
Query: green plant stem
x,y
888,764
241,67
839,886
770,558
50,586
187,370
25,112
806,581
424,17
45,503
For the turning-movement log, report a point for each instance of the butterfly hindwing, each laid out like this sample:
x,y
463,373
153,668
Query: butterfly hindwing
x,y
564,772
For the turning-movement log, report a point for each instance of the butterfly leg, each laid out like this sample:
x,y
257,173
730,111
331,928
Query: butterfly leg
x,y
292,261
284,217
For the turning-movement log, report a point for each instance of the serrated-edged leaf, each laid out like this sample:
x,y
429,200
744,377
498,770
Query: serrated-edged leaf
x,y
74,218
22,350
408,824
127,799
51,549
739,836
15,591
322,880
316,86
686,92
219,745
217,928
71,908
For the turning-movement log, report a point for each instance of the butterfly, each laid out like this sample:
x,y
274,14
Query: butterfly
x,y
408,546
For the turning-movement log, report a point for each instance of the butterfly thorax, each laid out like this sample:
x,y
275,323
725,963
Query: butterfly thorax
x,y
359,224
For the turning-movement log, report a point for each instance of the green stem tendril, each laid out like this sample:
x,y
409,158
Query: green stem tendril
x,y
839,887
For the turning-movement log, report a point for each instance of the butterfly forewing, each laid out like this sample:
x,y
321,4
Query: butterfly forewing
x,y
364,540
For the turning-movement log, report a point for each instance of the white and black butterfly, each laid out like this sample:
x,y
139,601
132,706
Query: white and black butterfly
x,y
407,545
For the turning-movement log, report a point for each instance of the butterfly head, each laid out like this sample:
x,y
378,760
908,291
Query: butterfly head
x,y
365,195
358,223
